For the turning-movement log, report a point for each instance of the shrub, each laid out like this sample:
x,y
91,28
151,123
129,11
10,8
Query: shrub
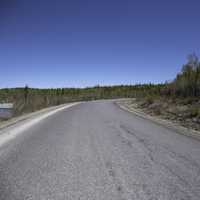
x,y
194,112
149,100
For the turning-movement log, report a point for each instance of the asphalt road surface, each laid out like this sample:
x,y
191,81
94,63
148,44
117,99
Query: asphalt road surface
x,y
96,151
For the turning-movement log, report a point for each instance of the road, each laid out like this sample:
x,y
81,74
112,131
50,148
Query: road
x,y
97,151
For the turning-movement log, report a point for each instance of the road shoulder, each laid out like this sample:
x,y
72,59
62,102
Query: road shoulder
x,y
12,128
13,121
162,122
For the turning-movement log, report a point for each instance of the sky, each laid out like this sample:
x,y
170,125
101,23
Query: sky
x,y
79,43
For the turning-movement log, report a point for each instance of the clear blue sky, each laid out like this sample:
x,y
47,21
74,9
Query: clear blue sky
x,y
78,43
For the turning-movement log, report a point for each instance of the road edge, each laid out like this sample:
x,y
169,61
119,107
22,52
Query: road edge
x,y
162,122
27,116
10,131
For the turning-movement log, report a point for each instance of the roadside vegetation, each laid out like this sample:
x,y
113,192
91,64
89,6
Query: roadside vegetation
x,y
178,99
30,99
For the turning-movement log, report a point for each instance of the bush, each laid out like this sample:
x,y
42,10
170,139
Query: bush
x,y
149,100
194,112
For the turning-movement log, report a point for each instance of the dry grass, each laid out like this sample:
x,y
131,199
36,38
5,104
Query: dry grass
x,y
185,111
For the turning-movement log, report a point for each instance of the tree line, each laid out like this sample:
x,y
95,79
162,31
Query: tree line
x,y
186,84
30,99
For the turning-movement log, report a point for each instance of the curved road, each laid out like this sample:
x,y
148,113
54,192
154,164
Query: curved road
x,y
96,151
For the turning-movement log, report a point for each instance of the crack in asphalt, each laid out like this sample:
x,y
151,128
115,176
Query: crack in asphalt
x,y
146,144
